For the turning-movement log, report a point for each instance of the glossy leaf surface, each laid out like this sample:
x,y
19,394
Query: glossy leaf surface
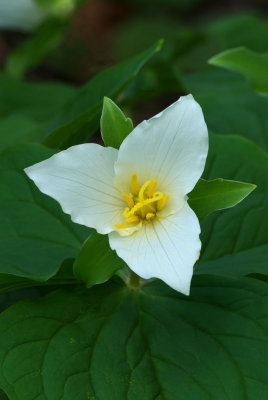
x,y
112,343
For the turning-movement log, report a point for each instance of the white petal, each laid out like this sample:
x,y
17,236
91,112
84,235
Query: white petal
x,y
171,147
164,248
20,14
81,180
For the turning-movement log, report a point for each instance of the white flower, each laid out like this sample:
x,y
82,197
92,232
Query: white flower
x,y
20,14
26,15
138,194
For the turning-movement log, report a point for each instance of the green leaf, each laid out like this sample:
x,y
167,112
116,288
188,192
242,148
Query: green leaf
x,y
3,396
229,105
114,125
219,34
17,129
80,118
233,30
10,282
96,261
12,297
235,241
31,52
37,101
209,196
113,343
64,276
36,236
251,65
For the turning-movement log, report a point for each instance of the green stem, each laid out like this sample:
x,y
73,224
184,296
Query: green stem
x,y
134,280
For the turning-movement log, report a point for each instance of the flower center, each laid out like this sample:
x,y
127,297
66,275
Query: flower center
x,y
144,202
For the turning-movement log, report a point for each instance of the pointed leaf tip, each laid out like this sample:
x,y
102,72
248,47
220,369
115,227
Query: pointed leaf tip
x,y
115,126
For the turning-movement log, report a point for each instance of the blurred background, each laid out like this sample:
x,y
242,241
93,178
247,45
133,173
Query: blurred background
x,y
72,40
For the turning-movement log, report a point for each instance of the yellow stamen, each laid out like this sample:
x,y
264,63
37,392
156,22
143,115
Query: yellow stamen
x,y
161,203
151,188
142,190
135,187
143,204
126,212
134,219
139,206
128,199
150,216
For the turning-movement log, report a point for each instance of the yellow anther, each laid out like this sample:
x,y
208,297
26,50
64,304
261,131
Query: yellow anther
x,y
161,203
157,196
142,190
150,216
134,219
126,212
135,187
142,205
128,199
151,188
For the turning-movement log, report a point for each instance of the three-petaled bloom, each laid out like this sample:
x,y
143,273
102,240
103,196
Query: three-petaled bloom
x,y
138,194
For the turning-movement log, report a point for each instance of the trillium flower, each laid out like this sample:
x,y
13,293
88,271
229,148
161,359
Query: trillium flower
x,y
138,194
26,15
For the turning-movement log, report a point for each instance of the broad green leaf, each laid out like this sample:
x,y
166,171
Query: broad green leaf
x,y
253,66
80,118
38,101
96,262
3,396
9,298
114,125
211,37
229,104
113,343
235,30
209,196
17,129
129,37
64,276
11,282
235,241
36,236
32,51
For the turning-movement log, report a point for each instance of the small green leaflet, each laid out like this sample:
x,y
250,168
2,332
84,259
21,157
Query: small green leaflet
x,y
209,196
114,125
96,261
